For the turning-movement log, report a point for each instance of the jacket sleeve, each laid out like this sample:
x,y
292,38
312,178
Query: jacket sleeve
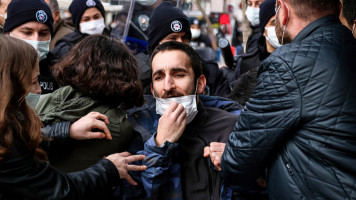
x,y
22,176
267,121
159,161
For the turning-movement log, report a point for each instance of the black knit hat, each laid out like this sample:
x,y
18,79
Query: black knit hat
x,y
166,19
22,11
267,10
77,8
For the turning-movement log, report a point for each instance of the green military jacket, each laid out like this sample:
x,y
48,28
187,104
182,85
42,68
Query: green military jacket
x,y
67,104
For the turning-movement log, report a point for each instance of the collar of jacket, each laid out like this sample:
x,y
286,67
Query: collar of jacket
x,y
323,21
199,119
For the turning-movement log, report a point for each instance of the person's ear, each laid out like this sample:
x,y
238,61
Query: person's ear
x,y
56,16
285,12
201,84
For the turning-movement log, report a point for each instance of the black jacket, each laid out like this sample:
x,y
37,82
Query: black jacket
x,y
301,119
65,44
46,80
22,177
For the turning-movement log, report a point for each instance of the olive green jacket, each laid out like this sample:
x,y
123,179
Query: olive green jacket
x,y
67,104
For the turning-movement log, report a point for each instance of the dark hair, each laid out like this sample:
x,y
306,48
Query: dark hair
x,y
17,62
311,10
195,60
102,68
349,11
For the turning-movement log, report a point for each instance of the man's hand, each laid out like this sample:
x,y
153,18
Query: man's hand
x,y
172,123
122,162
215,151
82,128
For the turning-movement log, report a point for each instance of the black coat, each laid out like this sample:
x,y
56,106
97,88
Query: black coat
x,y
23,177
46,80
301,119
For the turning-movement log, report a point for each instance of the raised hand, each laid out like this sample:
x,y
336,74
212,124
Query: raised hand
x,y
172,123
122,162
83,128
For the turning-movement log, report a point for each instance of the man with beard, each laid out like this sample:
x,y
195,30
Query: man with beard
x,y
300,121
173,131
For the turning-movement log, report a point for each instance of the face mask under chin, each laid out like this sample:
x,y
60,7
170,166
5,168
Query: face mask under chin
x,y
189,102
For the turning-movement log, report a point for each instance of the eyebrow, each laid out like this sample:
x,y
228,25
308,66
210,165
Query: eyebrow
x,y
175,69
26,28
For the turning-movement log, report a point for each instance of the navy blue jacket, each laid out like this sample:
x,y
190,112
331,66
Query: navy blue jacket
x,y
301,119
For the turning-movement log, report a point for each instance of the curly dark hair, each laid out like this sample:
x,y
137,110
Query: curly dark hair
x,y
104,69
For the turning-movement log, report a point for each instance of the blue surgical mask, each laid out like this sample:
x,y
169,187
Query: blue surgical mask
x,y
253,15
42,47
32,99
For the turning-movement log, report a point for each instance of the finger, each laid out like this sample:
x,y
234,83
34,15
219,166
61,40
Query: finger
x,y
134,158
125,154
180,113
172,106
217,164
136,167
206,151
130,180
96,135
217,145
102,126
100,116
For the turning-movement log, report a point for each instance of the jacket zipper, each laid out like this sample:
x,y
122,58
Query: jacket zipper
x,y
210,186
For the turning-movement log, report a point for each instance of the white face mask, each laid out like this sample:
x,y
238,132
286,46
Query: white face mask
x,y
253,15
4,16
32,99
189,103
92,27
195,33
146,2
42,47
272,37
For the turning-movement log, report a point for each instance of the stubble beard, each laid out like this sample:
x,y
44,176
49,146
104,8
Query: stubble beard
x,y
279,32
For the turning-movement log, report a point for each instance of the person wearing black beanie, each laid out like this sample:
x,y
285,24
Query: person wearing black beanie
x,y
168,22
88,17
267,25
31,21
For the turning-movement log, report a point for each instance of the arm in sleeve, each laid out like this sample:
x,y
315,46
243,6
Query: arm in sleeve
x,y
23,176
267,122
160,167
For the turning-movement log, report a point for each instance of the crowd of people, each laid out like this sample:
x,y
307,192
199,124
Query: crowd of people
x,y
83,115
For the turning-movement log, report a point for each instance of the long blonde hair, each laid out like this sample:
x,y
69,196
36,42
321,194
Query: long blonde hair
x,y
17,62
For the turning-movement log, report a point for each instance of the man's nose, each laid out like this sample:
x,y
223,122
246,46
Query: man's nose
x,y
168,83
179,39
35,37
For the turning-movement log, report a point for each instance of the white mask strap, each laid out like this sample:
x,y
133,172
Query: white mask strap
x,y
285,26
